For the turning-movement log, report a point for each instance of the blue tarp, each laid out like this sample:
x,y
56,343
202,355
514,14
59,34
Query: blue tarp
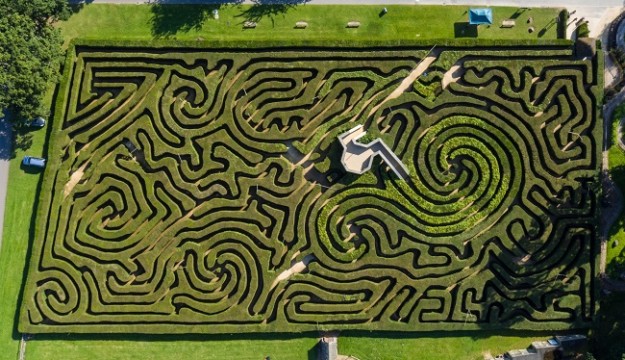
x,y
480,16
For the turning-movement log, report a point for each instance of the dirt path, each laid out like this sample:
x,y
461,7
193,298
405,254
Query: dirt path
x,y
416,72
296,268
453,74
22,354
423,65
74,179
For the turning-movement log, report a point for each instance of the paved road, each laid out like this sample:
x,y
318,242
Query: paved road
x,y
5,152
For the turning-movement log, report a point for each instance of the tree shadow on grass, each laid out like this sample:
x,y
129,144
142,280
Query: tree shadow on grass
x,y
269,9
169,19
76,6
463,29
617,264
13,135
608,331
515,15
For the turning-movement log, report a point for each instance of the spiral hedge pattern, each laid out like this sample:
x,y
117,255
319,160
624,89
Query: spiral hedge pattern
x,y
200,190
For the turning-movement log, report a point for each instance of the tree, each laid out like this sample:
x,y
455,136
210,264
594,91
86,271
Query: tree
x,y
42,11
30,53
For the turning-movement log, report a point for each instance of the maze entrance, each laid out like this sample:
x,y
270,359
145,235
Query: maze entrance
x,y
201,190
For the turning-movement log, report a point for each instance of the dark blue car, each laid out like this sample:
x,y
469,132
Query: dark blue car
x,y
37,122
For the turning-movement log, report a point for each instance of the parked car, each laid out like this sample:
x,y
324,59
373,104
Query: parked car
x,y
32,161
37,122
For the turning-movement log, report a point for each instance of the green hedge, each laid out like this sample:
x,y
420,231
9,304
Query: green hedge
x,y
185,179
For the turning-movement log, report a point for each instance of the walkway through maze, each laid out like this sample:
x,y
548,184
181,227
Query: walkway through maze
x,y
202,191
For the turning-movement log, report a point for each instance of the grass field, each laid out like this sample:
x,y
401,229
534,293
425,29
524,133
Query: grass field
x,y
433,346
277,23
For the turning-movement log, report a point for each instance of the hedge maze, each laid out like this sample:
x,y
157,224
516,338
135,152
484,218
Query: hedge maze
x,y
201,190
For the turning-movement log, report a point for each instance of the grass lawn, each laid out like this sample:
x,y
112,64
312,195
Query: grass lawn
x,y
277,22
395,346
145,22
18,222
433,348
161,347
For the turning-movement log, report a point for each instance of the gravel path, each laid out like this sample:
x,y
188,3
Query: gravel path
x,y
5,154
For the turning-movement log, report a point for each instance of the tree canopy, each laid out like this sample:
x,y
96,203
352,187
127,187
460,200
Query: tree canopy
x,y
30,53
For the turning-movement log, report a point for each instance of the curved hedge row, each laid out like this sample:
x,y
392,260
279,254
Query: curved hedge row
x,y
199,190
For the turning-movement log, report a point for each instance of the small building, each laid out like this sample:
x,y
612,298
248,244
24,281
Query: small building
x,y
566,347
544,348
571,345
358,158
328,348
521,354
480,16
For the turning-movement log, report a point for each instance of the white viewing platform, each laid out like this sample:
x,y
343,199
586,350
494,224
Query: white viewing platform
x,y
357,157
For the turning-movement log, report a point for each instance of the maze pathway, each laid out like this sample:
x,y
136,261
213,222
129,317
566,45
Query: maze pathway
x,y
201,190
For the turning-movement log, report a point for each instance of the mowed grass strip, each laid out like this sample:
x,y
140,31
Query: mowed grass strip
x,y
192,22
434,346
18,232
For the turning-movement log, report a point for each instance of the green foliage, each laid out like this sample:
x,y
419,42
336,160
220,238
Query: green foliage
x,y
583,31
563,20
607,335
429,92
616,162
367,138
40,11
619,56
23,141
30,54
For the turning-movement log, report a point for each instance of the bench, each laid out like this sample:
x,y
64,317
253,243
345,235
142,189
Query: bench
x,y
301,25
353,24
508,23
249,25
